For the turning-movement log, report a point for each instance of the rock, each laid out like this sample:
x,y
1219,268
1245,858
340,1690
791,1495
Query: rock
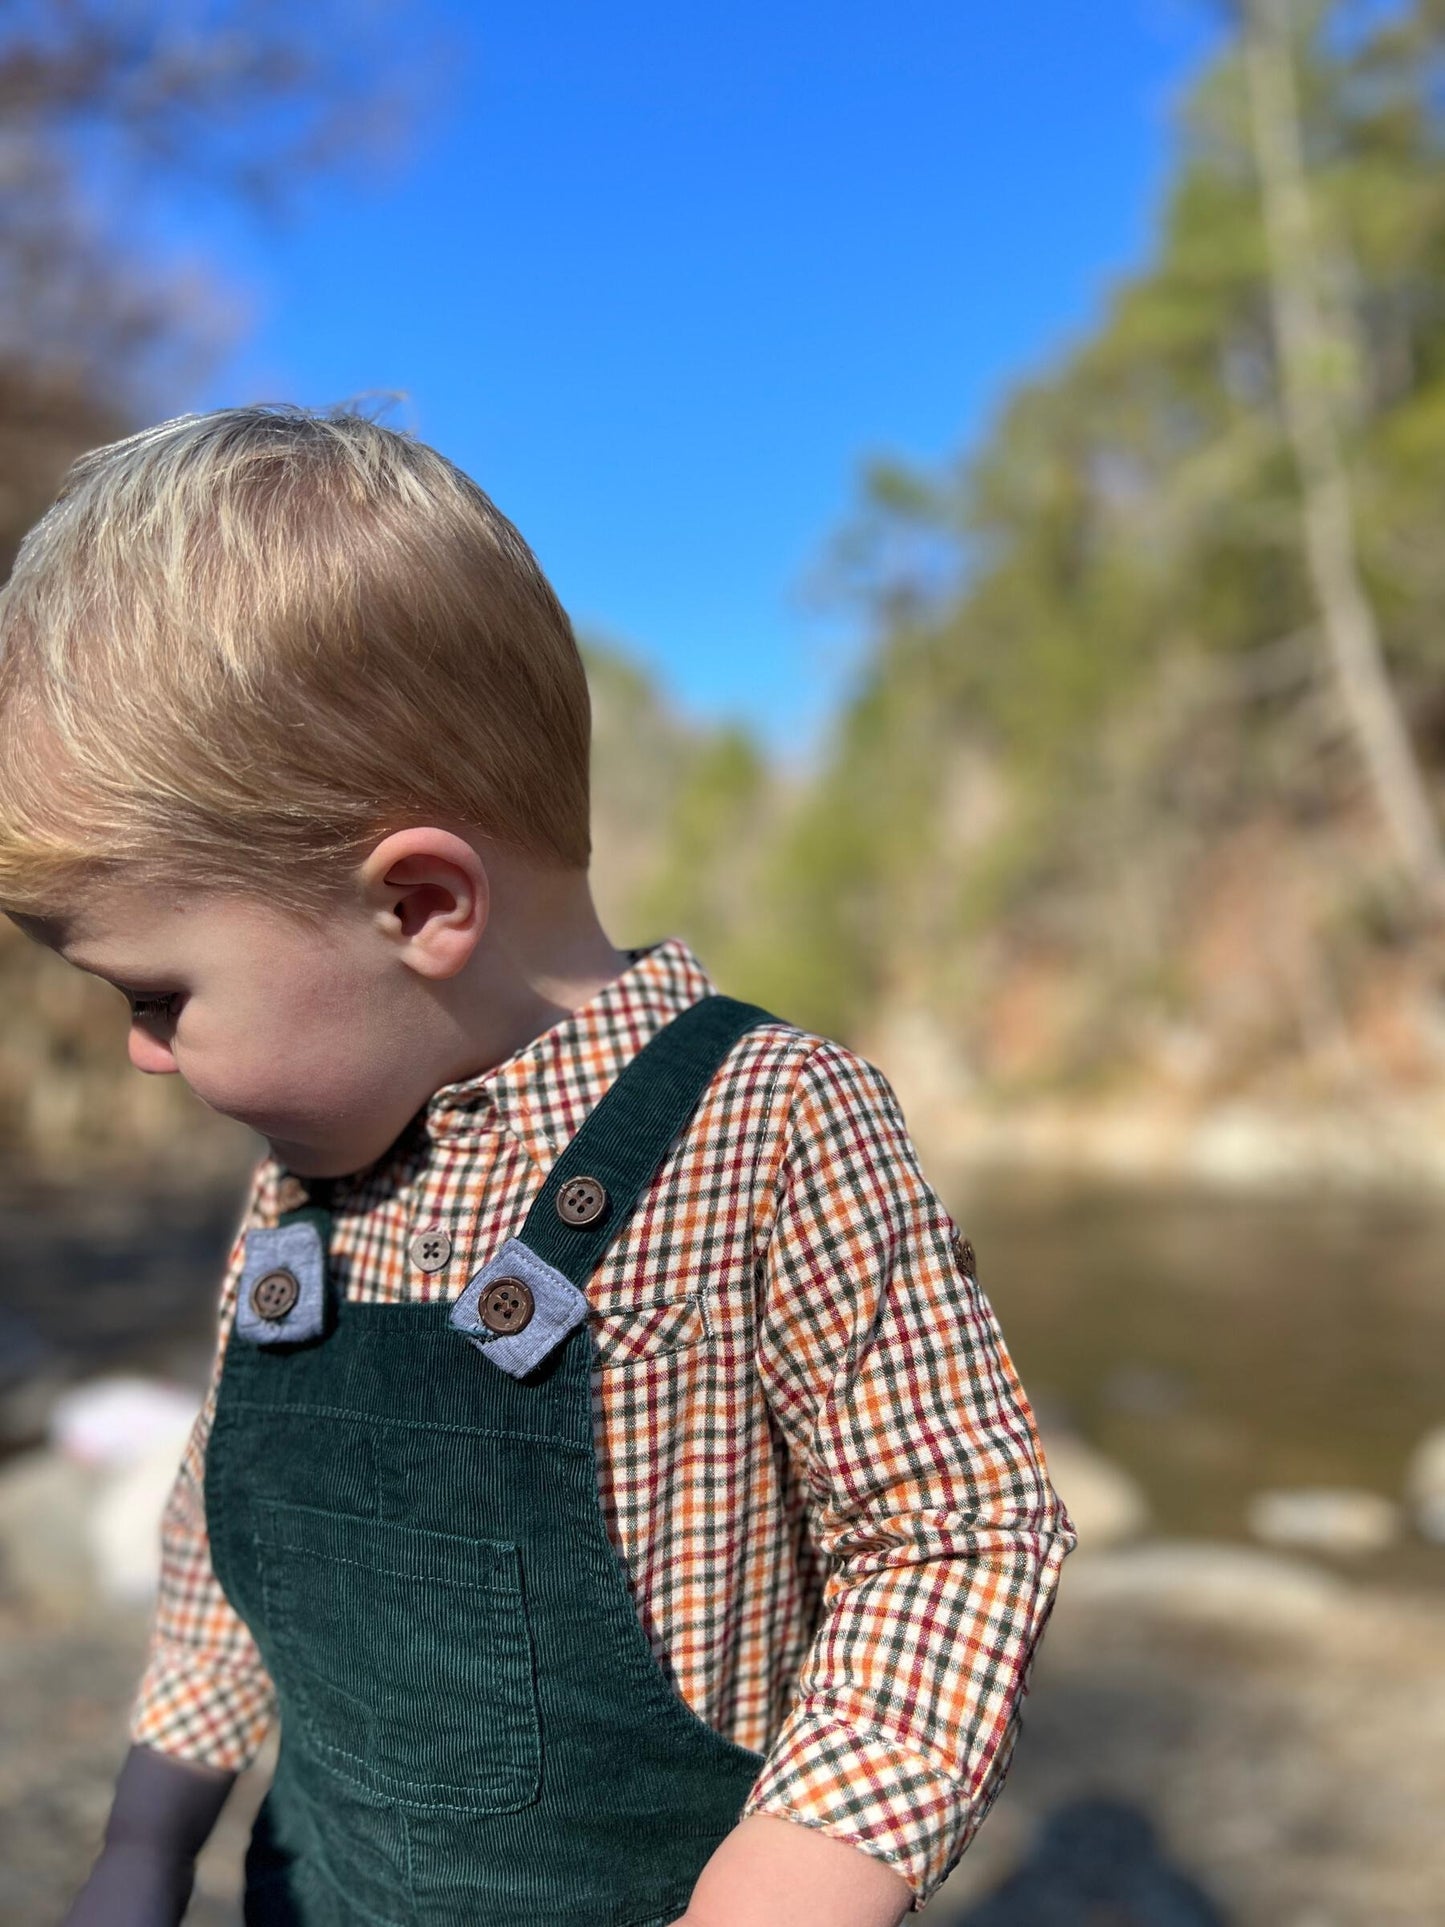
x,y
32,1377
125,1521
1104,1503
116,1421
1324,1519
1425,1486
45,1555
1097,1859
23,1352
1206,1579
132,1431
80,1517
25,1409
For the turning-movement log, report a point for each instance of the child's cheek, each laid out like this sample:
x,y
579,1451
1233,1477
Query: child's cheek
x,y
246,1063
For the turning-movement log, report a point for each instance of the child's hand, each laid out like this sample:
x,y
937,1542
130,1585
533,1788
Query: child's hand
x,y
162,1813
133,1886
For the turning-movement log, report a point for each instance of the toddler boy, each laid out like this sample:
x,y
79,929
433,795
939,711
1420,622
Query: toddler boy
x,y
612,1472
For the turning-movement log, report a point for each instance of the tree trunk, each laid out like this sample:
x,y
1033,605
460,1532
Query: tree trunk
x,y
1307,350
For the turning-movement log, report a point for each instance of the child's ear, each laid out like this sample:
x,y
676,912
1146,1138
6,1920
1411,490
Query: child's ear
x,y
431,889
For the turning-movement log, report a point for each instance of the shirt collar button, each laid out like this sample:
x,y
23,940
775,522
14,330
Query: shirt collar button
x,y
431,1249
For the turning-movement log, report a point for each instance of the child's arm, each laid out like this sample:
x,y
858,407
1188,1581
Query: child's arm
x,y
204,1703
770,1873
161,1817
924,1487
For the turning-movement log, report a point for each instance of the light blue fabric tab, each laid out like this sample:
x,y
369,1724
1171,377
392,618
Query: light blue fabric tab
x,y
286,1247
557,1307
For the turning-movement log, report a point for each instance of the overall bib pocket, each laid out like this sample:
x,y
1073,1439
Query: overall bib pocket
x,y
403,1656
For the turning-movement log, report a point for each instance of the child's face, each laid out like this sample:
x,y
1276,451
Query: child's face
x,y
308,1036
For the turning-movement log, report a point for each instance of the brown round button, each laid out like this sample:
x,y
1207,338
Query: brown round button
x,y
963,1251
273,1295
581,1201
431,1249
291,1194
505,1305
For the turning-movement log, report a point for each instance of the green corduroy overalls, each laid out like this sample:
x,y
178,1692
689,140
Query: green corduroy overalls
x,y
403,1507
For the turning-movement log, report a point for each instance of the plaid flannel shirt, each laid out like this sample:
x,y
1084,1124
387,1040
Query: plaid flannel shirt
x,y
815,1459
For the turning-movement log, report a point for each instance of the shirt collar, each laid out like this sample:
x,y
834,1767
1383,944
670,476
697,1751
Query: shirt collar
x,y
542,1092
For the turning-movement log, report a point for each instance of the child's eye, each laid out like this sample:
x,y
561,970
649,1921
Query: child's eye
x,y
151,1006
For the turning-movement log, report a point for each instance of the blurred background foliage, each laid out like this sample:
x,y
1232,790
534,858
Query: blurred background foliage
x,y
1094,816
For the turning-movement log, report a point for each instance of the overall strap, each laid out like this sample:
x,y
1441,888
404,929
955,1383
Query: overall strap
x,y
628,1133
529,1295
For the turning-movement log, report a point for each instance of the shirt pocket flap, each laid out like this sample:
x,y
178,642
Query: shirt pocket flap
x,y
627,1334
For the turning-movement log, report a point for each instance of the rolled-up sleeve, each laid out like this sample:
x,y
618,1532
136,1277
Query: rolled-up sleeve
x,y
205,1693
925,1489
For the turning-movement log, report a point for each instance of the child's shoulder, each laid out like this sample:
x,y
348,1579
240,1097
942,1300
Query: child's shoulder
x,y
789,1072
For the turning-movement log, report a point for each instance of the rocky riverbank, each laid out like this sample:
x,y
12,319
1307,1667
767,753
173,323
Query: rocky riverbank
x,y
1397,1145
1221,1735
1303,1123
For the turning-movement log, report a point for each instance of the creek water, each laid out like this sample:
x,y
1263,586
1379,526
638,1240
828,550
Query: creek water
x,y
1211,1343
1215,1344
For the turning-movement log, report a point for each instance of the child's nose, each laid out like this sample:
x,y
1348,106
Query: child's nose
x,y
148,1054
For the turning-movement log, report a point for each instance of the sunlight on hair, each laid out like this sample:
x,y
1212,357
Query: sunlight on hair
x,y
243,644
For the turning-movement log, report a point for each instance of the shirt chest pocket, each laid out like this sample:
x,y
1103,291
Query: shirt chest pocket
x,y
633,1333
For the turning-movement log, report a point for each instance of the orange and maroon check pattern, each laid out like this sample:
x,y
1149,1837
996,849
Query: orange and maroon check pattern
x,y
815,1459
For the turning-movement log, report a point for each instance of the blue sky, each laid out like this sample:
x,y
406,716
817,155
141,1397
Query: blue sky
x,y
659,277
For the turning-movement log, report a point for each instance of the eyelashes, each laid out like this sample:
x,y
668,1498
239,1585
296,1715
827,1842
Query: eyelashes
x,y
151,1006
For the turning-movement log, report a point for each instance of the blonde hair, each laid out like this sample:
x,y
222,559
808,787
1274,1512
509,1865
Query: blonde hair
x,y
243,645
